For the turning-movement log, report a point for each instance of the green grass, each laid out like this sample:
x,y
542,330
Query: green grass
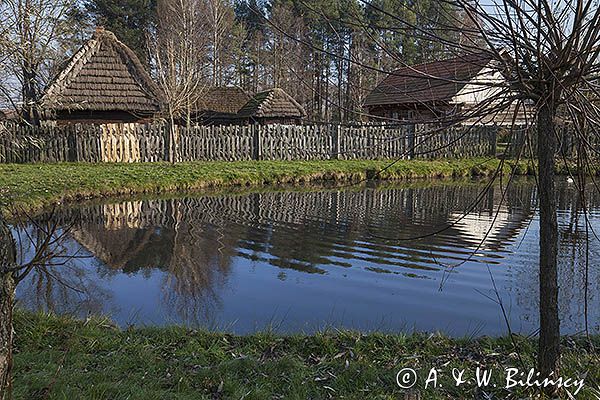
x,y
61,358
32,186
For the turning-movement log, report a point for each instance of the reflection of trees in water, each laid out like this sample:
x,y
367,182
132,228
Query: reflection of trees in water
x,y
195,239
66,288
523,286
193,248
574,244
199,265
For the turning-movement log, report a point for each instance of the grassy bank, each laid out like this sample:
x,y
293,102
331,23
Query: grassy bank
x,y
60,358
36,185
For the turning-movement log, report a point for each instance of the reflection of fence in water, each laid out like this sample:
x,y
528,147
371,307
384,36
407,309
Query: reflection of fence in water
x,y
125,214
380,209
196,265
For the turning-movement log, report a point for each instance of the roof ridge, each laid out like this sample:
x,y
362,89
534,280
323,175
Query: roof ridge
x,y
455,58
261,103
267,99
77,60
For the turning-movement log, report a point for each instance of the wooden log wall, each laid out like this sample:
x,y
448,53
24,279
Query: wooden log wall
x,y
151,143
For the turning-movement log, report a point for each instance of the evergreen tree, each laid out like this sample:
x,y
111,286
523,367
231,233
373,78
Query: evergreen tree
x,y
129,20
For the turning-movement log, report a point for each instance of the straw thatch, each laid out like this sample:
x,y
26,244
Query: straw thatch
x,y
219,105
223,99
103,76
272,104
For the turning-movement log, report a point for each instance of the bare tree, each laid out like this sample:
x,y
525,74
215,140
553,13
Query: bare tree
x,y
220,20
548,52
31,44
48,249
178,46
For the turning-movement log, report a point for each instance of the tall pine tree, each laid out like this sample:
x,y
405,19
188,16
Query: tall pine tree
x,y
129,20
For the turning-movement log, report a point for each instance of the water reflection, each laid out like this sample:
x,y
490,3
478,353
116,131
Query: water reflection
x,y
302,260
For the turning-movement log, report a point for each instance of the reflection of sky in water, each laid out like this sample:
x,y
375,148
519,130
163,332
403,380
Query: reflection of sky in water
x,y
301,261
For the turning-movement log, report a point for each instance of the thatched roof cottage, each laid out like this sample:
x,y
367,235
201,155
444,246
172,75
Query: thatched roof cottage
x,y
273,106
219,105
104,82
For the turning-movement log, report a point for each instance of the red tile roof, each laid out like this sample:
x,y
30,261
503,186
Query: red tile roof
x,y
433,82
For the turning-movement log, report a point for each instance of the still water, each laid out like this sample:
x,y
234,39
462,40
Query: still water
x,y
300,260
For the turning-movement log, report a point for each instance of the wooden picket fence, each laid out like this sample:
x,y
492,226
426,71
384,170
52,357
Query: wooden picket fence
x,y
522,142
161,142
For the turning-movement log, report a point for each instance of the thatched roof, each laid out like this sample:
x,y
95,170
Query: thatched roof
x,y
223,99
433,82
104,75
272,103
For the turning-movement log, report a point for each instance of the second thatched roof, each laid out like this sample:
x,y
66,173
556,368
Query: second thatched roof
x,y
272,103
223,99
104,75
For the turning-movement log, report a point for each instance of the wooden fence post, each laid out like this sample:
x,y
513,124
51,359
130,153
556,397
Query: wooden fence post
x,y
494,139
256,141
72,145
412,133
166,136
335,151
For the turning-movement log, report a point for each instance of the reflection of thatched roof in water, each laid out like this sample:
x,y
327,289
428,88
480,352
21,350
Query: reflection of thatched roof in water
x,y
196,258
127,249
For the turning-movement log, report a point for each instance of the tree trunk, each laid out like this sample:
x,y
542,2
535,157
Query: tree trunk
x,y
173,139
28,67
30,111
549,340
7,293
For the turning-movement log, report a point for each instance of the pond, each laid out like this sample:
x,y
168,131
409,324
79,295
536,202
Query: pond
x,y
305,259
